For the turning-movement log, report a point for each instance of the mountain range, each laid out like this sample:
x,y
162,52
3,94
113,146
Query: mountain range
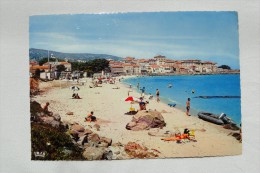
x,y
38,54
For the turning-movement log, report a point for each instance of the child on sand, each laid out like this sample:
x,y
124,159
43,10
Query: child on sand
x,y
188,107
90,117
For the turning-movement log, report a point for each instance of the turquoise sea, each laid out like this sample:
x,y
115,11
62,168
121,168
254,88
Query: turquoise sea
x,y
203,85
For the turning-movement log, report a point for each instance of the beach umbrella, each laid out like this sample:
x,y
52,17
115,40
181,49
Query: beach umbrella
x,y
129,99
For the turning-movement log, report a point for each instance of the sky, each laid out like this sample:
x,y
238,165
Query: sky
x,y
209,36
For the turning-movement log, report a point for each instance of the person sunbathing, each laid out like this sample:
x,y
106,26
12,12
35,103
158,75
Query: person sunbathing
x,y
76,96
177,137
90,117
116,88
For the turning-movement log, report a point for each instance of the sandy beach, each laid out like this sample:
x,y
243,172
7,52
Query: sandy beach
x,y
109,107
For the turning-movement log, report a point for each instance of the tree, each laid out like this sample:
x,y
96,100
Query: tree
x,y
92,66
44,60
60,68
225,67
37,73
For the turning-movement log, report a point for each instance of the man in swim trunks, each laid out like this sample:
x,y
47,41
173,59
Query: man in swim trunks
x,y
188,107
157,95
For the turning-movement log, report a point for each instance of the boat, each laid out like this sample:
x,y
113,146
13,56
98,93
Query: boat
x,y
170,85
210,118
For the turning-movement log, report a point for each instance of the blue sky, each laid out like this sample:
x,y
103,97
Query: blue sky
x,y
177,35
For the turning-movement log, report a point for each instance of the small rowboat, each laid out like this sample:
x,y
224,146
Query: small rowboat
x,y
210,118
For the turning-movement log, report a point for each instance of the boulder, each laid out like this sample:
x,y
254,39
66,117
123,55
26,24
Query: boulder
x,y
231,127
86,132
106,140
118,151
57,117
93,139
135,150
69,113
82,140
78,128
145,120
51,121
74,134
108,155
103,144
35,107
93,153
97,127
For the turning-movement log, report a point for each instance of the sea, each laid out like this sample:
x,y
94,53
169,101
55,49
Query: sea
x,y
209,93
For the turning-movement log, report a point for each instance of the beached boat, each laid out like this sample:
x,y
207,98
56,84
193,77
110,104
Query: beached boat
x,y
210,118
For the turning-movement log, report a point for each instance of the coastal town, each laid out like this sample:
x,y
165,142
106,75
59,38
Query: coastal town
x,y
158,65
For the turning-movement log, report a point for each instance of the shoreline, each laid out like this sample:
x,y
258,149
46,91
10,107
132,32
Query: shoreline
x,y
180,105
109,106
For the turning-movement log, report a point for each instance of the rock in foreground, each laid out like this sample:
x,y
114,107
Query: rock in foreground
x,y
145,120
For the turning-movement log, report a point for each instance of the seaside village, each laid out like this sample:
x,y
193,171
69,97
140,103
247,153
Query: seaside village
x,y
159,65
97,117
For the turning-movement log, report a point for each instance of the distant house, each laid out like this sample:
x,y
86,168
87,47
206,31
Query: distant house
x,y
52,65
155,68
129,60
166,69
136,69
128,69
38,67
152,61
160,60
117,69
208,67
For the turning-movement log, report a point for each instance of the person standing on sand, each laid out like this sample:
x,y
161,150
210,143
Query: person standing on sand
x,y
157,95
188,107
142,91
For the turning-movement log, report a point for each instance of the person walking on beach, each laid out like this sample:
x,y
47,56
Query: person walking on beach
x,y
157,95
188,107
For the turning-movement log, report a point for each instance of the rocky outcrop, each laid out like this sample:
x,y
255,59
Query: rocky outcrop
x,y
137,151
231,127
77,127
93,153
145,120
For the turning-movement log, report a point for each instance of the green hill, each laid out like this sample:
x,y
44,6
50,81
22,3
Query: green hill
x,y
38,54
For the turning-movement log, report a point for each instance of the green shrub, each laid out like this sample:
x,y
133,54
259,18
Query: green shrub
x,y
54,143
